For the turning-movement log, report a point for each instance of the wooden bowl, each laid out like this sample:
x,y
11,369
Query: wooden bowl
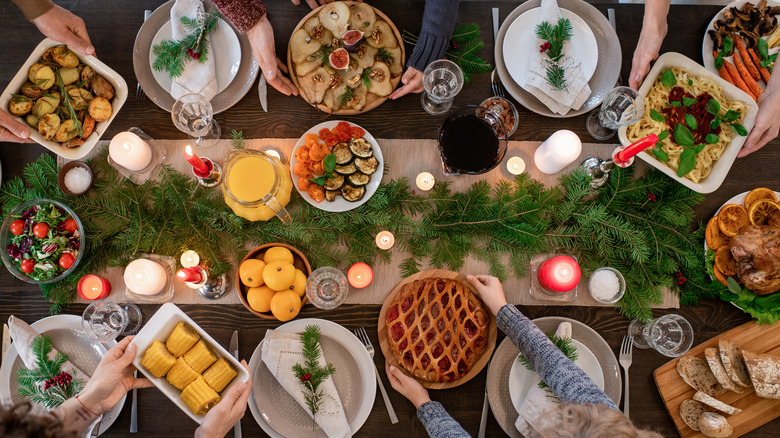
x,y
65,169
299,261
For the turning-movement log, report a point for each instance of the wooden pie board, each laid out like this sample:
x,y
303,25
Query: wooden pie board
x,y
388,352
756,411
372,100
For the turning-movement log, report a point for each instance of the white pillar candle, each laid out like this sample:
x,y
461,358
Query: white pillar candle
x,y
515,165
385,240
130,151
145,277
189,259
558,151
425,181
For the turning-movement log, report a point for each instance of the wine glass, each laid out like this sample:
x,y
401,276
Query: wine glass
x,y
105,320
193,115
670,335
442,81
327,288
622,106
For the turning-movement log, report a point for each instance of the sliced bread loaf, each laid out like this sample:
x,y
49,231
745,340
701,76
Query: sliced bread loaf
x,y
732,361
714,425
716,366
696,373
690,411
715,403
764,370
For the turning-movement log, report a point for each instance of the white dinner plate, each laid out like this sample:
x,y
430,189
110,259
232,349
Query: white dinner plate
x,y
340,204
522,33
225,49
521,378
67,336
350,343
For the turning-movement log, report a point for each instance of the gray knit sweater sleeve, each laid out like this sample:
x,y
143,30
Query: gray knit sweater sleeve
x,y
438,422
437,26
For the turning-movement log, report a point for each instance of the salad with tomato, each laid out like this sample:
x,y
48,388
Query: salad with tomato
x,y
44,241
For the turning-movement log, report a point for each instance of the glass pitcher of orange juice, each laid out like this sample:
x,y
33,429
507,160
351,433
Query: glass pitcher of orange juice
x,y
256,186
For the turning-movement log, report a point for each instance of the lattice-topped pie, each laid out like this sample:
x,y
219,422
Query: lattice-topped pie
x,y
437,329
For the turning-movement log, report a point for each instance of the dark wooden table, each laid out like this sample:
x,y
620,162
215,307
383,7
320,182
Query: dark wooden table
x,y
113,27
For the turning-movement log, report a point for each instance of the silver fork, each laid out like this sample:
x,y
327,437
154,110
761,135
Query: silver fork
x,y
495,81
363,336
625,362
139,92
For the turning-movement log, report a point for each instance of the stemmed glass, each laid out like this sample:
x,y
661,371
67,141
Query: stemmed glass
x,y
105,320
622,106
442,81
670,335
327,288
193,115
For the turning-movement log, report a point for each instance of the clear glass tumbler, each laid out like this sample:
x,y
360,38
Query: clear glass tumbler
x,y
442,81
622,106
670,335
193,115
105,320
327,288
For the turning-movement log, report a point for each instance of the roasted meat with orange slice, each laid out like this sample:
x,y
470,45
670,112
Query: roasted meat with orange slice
x,y
756,250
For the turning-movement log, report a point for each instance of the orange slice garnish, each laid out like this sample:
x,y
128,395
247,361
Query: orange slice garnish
x,y
757,194
731,218
759,212
714,236
720,277
725,262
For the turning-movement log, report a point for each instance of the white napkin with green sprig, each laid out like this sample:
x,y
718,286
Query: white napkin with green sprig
x,y
198,77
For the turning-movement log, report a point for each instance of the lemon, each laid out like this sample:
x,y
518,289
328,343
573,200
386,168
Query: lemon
x,y
259,298
251,272
299,284
279,275
278,253
285,305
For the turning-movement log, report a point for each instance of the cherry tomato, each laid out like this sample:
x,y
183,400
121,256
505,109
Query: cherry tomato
x,y
344,136
66,260
41,229
342,126
28,266
324,132
356,132
70,225
331,141
17,227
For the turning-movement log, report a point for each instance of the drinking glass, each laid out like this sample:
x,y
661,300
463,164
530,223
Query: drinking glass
x,y
105,320
622,106
193,115
327,288
442,81
670,335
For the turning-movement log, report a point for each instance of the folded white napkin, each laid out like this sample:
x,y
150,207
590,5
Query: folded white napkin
x,y
198,77
283,350
577,90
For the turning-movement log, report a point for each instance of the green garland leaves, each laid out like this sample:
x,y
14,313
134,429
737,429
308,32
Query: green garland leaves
x,y
465,44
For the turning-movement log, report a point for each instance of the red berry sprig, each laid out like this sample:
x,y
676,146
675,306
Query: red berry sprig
x,y
679,279
651,197
195,55
63,379
544,47
305,377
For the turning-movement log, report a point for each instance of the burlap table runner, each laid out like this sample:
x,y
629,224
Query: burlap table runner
x,y
404,158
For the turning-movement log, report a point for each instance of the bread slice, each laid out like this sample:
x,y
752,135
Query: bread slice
x,y
764,370
696,373
714,425
732,361
715,403
716,366
690,411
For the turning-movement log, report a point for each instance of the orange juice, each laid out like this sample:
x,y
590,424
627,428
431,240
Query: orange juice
x,y
253,181
251,178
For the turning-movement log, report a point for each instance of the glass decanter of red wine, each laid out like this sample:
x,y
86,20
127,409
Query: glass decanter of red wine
x,y
469,142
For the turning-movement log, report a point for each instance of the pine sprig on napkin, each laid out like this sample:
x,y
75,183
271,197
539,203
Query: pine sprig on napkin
x,y
555,37
564,344
311,374
173,55
47,385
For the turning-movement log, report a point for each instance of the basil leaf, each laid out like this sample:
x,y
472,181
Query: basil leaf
x,y
675,103
713,107
765,63
733,286
668,79
687,162
711,138
728,45
699,147
731,115
683,135
690,81
320,180
715,122
763,48
688,101
772,58
661,154
663,134
655,115
739,129
329,162
719,61
691,121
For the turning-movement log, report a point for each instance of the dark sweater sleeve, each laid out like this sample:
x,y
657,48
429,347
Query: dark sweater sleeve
x,y
437,26
438,422
567,380
242,13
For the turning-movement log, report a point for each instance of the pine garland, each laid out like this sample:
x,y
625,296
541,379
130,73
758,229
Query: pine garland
x,y
47,384
172,55
465,44
311,373
564,344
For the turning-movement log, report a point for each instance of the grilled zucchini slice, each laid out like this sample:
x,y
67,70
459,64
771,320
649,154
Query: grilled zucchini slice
x,y
367,165
342,153
347,169
361,147
330,195
352,193
359,179
334,183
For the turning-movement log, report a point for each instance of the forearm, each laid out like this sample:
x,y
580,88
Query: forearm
x,y
565,378
437,26
244,14
74,416
33,8
438,422
654,22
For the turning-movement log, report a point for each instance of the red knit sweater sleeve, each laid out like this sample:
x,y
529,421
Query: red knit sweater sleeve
x,y
242,13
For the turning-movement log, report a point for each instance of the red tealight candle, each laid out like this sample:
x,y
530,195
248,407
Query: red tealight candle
x,y
559,274
198,165
92,287
635,148
360,275
189,275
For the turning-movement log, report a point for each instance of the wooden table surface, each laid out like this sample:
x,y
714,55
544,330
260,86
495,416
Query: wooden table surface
x,y
113,26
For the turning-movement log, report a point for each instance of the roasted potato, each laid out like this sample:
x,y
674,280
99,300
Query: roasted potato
x,y
66,131
87,73
87,126
31,90
100,109
48,126
69,75
53,99
31,71
79,98
44,78
47,55
32,120
41,107
72,143
20,105
64,57
101,87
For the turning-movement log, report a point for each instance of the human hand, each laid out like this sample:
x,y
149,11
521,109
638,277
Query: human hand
x,y
646,51
261,38
412,80
407,386
112,378
314,4
490,291
13,130
63,26
767,123
222,417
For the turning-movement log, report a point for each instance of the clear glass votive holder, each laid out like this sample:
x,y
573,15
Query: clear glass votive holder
x,y
166,294
539,292
158,155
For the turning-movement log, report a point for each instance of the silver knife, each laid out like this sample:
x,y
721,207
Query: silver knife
x,y
611,19
234,338
262,90
483,419
6,341
134,408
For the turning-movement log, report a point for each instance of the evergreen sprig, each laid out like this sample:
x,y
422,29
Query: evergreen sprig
x,y
311,373
555,37
172,55
33,382
566,346
465,44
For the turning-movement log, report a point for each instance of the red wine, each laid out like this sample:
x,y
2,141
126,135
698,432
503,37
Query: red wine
x,y
468,144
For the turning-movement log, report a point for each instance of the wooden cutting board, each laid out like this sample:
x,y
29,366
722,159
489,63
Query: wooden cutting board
x,y
756,411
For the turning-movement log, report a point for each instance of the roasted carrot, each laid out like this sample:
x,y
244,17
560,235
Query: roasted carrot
x,y
763,70
737,78
724,74
745,58
755,90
